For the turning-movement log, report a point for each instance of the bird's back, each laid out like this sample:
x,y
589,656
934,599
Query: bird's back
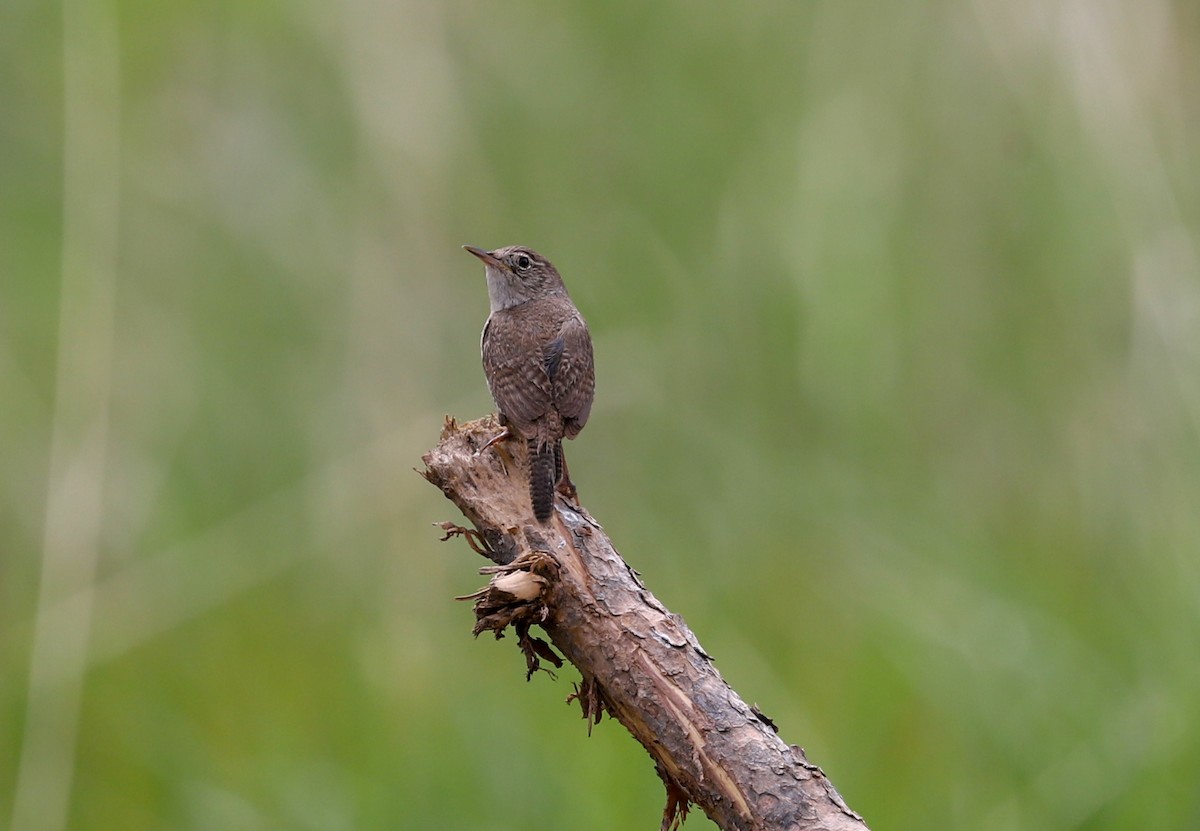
x,y
537,358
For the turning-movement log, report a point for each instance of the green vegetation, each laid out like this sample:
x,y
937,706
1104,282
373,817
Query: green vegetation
x,y
897,321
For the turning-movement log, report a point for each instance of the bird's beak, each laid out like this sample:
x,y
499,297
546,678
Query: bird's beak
x,y
486,256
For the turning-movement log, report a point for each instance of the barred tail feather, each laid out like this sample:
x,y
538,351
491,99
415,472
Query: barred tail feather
x,y
541,480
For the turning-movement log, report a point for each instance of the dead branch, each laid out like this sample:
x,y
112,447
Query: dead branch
x,y
639,663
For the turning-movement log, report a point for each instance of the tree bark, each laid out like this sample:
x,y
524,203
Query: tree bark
x,y
639,662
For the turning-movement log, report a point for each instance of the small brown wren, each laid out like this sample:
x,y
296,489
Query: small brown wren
x,y
537,357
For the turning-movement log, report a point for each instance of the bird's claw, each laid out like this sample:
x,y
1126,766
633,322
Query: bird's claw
x,y
496,439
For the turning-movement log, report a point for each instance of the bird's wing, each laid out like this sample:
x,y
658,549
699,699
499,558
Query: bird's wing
x,y
568,362
516,378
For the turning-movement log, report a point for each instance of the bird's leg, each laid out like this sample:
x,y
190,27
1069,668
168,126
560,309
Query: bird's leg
x,y
496,439
503,435
561,476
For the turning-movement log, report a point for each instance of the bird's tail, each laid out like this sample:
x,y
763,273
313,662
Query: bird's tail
x,y
541,479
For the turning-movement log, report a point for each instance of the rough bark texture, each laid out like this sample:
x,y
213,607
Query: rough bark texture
x,y
639,662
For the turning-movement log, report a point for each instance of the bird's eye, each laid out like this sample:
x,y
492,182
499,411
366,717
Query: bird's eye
x,y
523,262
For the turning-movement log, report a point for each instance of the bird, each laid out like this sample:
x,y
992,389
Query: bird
x,y
538,362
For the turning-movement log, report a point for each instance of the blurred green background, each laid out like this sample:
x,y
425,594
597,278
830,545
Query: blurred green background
x,y
897,320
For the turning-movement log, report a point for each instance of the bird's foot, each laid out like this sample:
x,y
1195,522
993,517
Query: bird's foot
x,y
567,488
496,439
563,483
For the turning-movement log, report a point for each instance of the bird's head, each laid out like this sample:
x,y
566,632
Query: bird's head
x,y
516,274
